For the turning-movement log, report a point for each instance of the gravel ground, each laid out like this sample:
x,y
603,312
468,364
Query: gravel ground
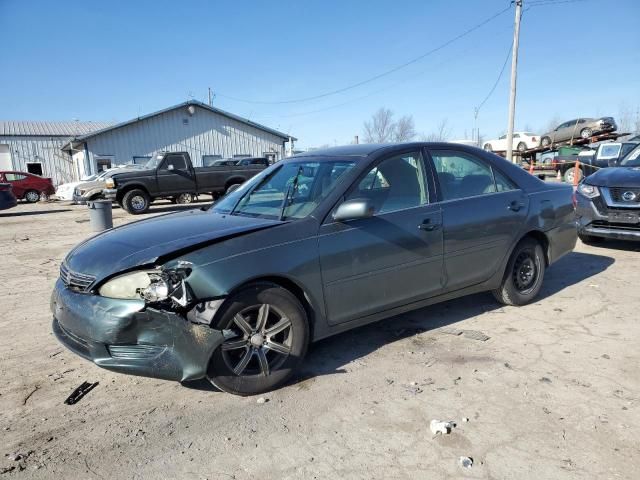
x,y
552,393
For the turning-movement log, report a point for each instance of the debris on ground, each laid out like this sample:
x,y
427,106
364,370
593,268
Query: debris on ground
x,y
465,419
80,392
262,400
470,334
438,426
466,462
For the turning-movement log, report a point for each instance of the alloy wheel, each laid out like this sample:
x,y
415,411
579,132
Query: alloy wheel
x,y
32,196
259,341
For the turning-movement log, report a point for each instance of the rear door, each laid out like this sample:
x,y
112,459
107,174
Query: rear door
x,y
391,259
482,212
175,175
19,182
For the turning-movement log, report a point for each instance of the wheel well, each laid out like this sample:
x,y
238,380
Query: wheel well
x,y
233,181
292,287
127,188
542,239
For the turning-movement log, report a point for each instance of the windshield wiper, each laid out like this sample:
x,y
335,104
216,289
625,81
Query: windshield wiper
x,y
290,193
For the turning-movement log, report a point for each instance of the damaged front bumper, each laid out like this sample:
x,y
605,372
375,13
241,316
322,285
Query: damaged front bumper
x,y
127,336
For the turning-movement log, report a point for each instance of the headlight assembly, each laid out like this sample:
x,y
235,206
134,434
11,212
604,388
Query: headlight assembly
x,y
588,191
152,286
110,183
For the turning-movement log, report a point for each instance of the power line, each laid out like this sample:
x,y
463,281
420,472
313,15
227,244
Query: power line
x,y
375,77
495,85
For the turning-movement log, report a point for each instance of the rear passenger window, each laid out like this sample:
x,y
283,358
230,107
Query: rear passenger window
x,y
462,175
503,184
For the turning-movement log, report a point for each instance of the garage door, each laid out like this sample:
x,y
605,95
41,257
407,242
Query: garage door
x,y
5,158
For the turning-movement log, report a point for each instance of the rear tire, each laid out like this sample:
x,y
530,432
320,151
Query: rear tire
x,y
522,147
524,274
32,196
545,142
184,199
271,338
136,201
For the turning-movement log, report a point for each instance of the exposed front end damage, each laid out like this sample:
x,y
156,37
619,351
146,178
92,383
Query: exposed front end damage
x,y
134,337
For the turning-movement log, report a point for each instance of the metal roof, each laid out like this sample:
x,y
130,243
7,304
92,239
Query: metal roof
x,y
50,129
182,105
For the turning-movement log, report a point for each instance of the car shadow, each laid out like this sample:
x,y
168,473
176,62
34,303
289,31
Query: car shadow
x,y
331,356
36,212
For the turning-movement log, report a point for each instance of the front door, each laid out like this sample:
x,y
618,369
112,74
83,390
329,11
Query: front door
x,y
393,258
482,212
174,175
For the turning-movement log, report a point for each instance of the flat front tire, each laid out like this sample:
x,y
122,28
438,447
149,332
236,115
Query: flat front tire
x,y
136,201
524,274
266,338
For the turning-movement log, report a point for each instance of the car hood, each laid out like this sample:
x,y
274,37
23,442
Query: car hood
x,y
144,242
133,173
615,177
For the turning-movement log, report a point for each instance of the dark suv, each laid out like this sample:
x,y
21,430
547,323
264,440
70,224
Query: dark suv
x,y
608,202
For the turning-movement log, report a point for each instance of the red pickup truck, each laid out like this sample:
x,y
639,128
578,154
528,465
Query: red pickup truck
x,y
27,186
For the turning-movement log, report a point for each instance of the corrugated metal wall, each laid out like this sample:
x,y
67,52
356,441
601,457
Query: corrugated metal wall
x,y
204,133
46,150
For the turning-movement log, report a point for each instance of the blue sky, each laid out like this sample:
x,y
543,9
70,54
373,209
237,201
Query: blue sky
x,y
115,60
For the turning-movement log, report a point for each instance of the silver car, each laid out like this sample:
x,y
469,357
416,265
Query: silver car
x,y
578,128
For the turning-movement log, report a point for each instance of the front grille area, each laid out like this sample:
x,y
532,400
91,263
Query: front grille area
x,y
75,280
135,352
617,195
616,226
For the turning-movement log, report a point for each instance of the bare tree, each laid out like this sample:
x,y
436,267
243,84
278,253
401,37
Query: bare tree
x,y
441,134
625,119
381,128
404,129
552,124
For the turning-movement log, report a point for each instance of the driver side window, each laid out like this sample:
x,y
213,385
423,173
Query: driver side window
x,y
176,161
396,183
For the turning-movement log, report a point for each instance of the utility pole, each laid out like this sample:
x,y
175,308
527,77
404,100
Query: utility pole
x,y
514,72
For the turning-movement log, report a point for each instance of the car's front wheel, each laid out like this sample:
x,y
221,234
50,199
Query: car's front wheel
x,y
136,201
266,337
523,278
522,147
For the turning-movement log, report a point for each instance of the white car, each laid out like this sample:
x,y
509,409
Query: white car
x,y
521,141
65,190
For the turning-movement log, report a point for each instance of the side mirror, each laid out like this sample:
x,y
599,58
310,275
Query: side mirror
x,y
170,167
354,209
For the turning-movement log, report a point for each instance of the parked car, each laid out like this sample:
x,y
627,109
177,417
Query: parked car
x,y
27,186
253,161
578,128
521,141
65,191
236,292
591,159
7,198
608,202
92,190
172,175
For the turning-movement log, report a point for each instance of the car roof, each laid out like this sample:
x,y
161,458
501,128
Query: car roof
x,y
366,149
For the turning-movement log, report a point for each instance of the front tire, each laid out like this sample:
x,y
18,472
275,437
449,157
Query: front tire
x,y
136,201
522,147
523,278
267,334
570,173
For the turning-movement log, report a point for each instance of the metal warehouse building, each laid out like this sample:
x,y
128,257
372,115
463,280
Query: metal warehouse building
x,y
83,148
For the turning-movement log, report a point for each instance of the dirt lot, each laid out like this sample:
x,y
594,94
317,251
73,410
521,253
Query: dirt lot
x,y
553,393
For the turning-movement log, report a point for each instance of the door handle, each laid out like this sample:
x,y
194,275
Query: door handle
x,y
427,226
515,206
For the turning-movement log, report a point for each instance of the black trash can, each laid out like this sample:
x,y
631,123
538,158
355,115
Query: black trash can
x,y
100,215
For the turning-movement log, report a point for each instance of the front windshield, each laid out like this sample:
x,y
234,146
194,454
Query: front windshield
x,y
153,162
291,190
632,159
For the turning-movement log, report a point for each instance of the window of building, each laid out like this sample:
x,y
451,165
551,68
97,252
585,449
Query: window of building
x,y
35,168
208,160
